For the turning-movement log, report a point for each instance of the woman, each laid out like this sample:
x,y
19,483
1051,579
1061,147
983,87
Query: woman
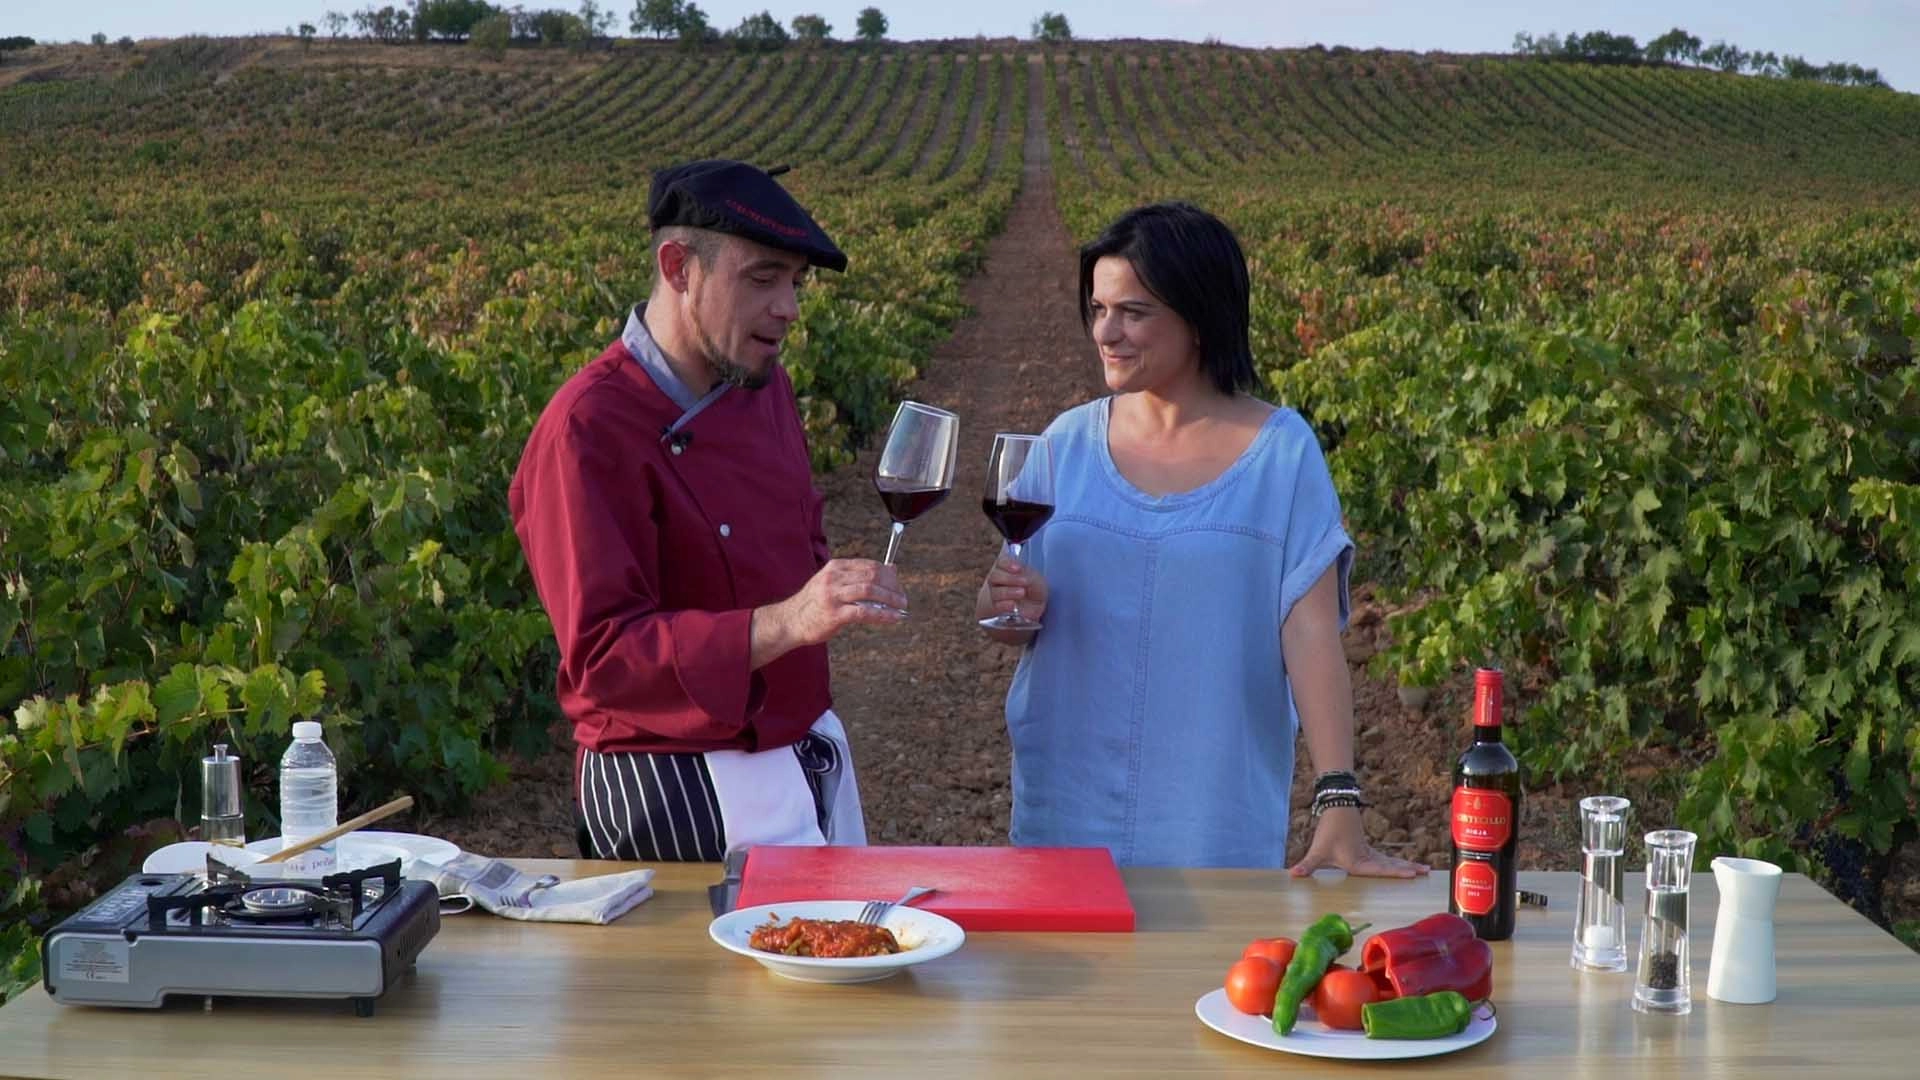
x,y
1192,583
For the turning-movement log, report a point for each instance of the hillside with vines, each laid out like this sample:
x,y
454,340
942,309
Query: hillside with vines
x,y
1614,367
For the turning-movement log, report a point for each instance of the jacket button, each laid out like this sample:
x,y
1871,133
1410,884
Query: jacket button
x,y
677,448
726,530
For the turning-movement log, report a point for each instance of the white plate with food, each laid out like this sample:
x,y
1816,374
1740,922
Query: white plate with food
x,y
919,936
368,847
1315,1039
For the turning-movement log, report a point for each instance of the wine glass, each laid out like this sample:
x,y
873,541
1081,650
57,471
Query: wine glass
x,y
915,472
1018,500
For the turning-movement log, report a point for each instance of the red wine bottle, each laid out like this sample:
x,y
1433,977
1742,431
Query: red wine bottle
x,y
1485,820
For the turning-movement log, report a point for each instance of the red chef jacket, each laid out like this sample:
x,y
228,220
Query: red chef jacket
x,y
650,562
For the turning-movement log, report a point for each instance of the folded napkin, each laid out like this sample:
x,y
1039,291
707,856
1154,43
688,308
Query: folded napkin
x,y
504,890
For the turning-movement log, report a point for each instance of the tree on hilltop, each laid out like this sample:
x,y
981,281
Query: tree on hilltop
x,y
1675,44
1601,47
1723,56
661,18
693,27
388,24
493,34
1052,28
871,26
597,21
759,33
811,29
451,20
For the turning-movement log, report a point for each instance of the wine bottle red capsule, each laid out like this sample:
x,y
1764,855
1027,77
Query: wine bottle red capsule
x,y
1485,820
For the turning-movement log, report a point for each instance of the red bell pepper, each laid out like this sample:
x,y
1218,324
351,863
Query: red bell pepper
x,y
1440,952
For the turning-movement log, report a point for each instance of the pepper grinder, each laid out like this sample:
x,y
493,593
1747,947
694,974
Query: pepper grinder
x,y
222,821
1663,984
1600,926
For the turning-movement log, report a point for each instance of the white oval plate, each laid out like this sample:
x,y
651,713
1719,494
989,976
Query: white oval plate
x,y
359,850
922,935
1314,1039
190,857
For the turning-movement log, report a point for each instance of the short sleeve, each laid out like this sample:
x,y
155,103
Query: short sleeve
x,y
1063,448
1315,537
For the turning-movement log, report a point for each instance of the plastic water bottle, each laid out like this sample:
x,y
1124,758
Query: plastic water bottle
x,y
309,800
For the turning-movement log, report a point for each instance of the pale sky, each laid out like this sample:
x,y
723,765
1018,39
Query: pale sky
x,y
1883,34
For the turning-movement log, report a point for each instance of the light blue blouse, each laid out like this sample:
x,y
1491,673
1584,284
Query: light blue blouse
x,y
1152,715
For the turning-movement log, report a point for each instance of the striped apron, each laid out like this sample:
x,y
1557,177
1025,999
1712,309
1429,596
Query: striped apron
x,y
695,807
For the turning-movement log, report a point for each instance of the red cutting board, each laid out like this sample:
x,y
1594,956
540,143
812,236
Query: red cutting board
x,y
981,888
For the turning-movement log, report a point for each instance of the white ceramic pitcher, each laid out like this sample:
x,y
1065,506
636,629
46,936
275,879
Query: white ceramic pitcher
x,y
1741,970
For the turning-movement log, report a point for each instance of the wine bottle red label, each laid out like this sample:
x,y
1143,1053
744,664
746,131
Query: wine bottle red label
x,y
1482,819
1476,887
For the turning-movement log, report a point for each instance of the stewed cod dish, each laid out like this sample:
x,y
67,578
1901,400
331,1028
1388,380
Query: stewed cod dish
x,y
838,938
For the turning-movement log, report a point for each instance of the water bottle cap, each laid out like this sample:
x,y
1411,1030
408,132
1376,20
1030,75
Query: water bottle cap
x,y
306,731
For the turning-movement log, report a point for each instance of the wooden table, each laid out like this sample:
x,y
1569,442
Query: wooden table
x,y
651,995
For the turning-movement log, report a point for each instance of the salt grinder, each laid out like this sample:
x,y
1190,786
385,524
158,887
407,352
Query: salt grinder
x,y
1600,927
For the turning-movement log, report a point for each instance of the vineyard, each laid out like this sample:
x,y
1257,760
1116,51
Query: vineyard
x,y
1615,368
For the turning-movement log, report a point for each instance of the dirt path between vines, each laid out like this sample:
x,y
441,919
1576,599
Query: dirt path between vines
x,y
923,701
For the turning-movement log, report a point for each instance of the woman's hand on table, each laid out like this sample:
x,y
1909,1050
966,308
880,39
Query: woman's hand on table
x,y
1340,843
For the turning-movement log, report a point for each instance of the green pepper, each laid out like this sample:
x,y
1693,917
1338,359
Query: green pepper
x,y
1320,946
1430,1016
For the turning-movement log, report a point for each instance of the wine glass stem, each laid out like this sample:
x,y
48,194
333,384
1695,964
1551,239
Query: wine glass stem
x,y
1015,548
893,541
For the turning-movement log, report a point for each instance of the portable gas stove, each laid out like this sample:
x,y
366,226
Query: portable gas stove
x,y
348,935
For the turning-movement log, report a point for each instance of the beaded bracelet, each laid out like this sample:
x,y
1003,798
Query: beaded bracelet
x,y
1338,797
1337,778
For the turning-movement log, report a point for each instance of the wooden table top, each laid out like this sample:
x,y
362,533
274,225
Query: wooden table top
x,y
652,995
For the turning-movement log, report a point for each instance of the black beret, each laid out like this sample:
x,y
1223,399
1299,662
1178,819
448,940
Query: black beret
x,y
732,197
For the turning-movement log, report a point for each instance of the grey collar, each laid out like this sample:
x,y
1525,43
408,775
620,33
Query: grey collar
x,y
653,361
640,343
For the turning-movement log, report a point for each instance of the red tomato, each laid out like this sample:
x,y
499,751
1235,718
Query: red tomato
x,y
1313,995
1337,1000
1277,949
1252,983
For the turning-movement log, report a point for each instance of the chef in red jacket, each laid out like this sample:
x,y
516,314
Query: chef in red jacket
x,y
667,511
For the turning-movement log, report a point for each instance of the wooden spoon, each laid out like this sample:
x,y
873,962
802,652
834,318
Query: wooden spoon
x,y
342,829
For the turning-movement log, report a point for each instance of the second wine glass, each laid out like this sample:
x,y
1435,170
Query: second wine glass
x,y
1018,500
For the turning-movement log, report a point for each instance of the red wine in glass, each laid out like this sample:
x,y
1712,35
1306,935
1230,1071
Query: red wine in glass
x,y
1018,500
905,503
915,471
1017,519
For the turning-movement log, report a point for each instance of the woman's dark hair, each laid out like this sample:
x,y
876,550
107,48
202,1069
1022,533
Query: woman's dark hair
x,y
1192,263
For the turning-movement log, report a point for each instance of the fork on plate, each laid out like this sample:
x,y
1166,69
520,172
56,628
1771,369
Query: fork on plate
x,y
877,909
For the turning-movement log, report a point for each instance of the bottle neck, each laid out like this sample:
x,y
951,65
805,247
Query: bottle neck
x,y
1486,733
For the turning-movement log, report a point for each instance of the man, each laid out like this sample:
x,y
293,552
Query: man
x,y
667,511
